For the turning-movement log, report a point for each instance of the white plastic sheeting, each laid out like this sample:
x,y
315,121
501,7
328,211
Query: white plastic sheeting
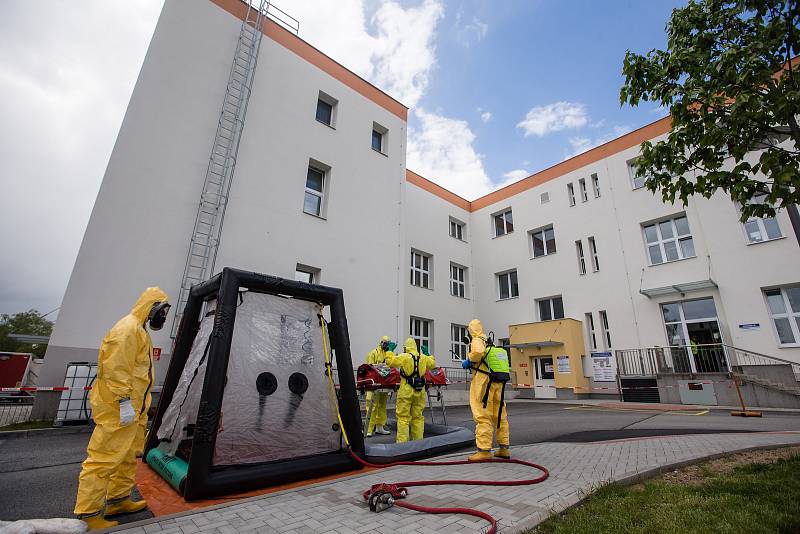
x,y
182,411
283,337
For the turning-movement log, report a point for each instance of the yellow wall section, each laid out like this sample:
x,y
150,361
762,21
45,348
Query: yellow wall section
x,y
566,331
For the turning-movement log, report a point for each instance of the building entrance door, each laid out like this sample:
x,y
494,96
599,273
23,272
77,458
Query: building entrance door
x,y
544,385
693,332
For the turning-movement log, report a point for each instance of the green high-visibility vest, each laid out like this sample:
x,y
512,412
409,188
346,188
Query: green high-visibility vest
x,y
497,360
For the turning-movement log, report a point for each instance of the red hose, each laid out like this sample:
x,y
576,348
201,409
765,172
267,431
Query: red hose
x,y
467,511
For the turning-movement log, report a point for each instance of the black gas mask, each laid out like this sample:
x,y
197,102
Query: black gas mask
x,y
158,315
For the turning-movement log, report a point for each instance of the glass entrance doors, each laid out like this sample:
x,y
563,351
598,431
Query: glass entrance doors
x,y
694,336
544,387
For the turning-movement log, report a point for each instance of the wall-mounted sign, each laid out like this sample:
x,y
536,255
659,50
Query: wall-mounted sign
x,y
603,367
750,326
563,365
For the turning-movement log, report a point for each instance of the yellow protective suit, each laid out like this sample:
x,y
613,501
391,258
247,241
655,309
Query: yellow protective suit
x,y
377,398
410,403
124,370
485,418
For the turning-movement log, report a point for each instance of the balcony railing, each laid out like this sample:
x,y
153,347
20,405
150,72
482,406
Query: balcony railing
x,y
690,359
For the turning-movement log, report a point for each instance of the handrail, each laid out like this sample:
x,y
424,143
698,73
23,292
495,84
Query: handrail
x,y
759,354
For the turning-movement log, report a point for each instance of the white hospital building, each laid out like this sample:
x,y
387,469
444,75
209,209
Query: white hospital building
x,y
321,192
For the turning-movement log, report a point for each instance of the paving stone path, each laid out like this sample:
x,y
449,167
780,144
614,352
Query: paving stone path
x,y
336,507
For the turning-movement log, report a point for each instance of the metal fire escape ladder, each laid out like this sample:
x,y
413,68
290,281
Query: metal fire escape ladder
x,y
219,174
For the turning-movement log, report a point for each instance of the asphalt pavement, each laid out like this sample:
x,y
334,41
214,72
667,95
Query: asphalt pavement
x,y
38,474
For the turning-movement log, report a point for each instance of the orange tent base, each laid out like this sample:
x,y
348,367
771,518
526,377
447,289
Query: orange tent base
x,y
162,499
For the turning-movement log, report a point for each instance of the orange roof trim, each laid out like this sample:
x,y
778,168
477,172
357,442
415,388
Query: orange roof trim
x,y
589,157
290,41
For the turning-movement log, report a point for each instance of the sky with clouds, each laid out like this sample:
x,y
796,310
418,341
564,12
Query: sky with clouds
x,y
497,90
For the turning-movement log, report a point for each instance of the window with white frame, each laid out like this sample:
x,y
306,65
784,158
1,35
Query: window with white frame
x,y
458,347
326,109
457,229
379,134
593,253
421,269
304,273
584,193
503,223
760,229
507,286
314,200
591,337
581,259
421,331
606,330
637,181
458,280
784,307
543,241
550,308
596,185
668,240
571,193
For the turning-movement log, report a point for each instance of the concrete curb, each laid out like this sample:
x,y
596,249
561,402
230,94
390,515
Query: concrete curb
x,y
55,431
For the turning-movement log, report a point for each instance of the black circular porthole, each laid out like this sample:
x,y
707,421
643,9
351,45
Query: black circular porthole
x,y
266,384
298,383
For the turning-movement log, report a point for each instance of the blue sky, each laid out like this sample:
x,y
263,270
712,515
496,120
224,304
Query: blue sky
x,y
548,69
534,54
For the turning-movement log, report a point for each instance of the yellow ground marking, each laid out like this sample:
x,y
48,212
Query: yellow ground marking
x,y
589,407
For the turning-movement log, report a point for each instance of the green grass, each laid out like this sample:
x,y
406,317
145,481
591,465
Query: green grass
x,y
28,425
751,498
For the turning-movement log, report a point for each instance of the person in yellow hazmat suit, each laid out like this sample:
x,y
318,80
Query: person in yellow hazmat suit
x,y
490,372
120,398
378,399
411,395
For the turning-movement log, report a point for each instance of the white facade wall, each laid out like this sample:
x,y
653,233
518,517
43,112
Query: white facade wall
x,y
139,230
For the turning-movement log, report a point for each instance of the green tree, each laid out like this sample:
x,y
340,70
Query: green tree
x,y
729,78
29,322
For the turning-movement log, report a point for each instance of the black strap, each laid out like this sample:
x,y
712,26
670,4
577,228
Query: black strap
x,y
502,403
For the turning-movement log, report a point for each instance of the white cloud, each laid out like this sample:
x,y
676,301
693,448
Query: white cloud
x,y
62,98
397,56
467,32
512,176
442,151
486,116
542,120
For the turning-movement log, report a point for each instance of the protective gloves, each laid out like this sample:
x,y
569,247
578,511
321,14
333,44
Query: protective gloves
x,y
465,364
126,413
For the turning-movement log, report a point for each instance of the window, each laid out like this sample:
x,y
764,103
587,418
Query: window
x,y
457,229
784,307
669,240
760,229
379,134
590,332
637,181
571,194
458,348
326,109
315,191
507,287
458,284
584,193
503,223
304,273
596,185
421,269
581,259
543,242
606,330
550,308
593,252
420,330
544,198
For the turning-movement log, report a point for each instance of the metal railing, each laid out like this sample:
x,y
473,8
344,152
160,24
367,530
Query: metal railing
x,y
690,359
15,408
